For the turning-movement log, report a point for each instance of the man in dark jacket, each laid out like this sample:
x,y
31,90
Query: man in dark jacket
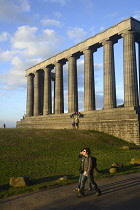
x,y
88,164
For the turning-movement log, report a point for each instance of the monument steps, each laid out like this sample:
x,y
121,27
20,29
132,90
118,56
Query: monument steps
x,y
89,116
120,122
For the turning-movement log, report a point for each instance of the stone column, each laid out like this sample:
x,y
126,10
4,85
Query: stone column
x,y
41,91
59,96
47,106
72,85
36,94
89,87
30,93
109,76
139,66
130,70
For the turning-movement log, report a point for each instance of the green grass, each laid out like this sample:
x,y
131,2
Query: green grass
x,y
46,155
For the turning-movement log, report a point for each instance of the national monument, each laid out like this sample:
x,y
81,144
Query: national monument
x,y
121,122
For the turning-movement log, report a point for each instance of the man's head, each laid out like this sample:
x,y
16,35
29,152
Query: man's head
x,y
86,151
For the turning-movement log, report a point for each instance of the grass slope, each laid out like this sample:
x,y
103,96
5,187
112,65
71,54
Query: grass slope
x,y
46,155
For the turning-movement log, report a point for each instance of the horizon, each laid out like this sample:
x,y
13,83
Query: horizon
x,y
33,31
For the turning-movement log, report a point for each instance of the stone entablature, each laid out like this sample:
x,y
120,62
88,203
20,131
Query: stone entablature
x,y
113,33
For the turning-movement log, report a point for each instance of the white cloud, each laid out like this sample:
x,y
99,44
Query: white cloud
x,y
6,56
137,15
12,10
36,45
102,28
50,22
28,47
62,2
24,5
1,94
98,67
78,34
4,36
58,14
16,76
113,14
23,36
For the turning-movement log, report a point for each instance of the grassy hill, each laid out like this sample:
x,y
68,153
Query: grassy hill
x,y
46,155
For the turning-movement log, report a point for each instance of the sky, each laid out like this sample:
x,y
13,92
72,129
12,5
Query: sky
x,y
34,30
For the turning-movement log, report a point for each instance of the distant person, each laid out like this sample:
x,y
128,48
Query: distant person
x,y
87,166
76,122
73,123
3,126
79,114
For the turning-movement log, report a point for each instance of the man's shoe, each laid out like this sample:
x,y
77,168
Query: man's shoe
x,y
80,196
77,189
98,193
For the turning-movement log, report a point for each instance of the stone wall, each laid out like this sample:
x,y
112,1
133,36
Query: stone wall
x,y
120,122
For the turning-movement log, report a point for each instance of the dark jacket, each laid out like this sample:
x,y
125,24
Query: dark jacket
x,y
88,164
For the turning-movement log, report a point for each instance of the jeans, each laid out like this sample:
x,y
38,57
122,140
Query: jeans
x,y
80,181
90,180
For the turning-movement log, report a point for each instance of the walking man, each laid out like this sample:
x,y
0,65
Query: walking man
x,y
87,165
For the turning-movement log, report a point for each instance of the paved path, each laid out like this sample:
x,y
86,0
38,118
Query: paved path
x,y
118,193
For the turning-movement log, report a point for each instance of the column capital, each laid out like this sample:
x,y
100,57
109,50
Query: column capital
x,y
30,74
47,68
109,40
62,61
127,33
72,56
89,49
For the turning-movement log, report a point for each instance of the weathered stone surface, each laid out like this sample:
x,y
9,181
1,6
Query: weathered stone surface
x,y
64,178
135,160
19,181
117,165
113,170
126,147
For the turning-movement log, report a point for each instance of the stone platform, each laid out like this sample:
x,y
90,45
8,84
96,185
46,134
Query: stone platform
x,y
120,122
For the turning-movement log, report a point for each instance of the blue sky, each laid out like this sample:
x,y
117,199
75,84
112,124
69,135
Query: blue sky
x,y
34,30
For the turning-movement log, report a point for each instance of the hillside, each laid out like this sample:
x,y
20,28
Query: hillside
x,y
46,155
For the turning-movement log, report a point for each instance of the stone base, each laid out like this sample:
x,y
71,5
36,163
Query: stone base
x,y
135,161
19,181
120,122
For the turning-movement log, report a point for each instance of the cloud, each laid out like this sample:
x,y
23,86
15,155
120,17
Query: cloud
x,y
62,2
6,56
102,28
1,94
28,47
76,33
31,44
113,14
4,36
13,10
58,14
80,64
50,22
24,5
16,76
137,15
98,67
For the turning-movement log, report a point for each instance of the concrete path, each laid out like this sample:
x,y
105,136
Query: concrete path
x,y
118,193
